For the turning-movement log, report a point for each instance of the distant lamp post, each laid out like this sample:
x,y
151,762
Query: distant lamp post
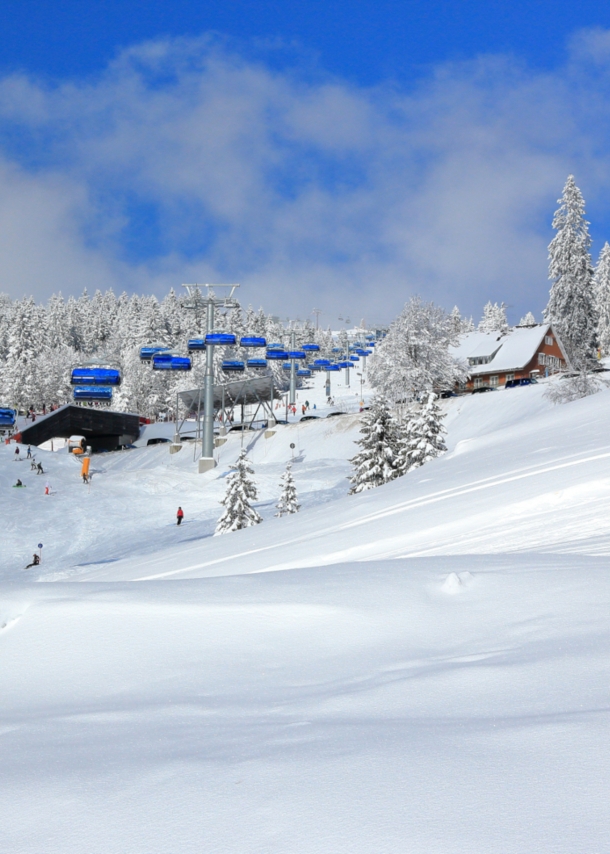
x,y
361,384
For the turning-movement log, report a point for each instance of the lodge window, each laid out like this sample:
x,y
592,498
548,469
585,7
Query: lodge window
x,y
548,339
509,377
493,381
479,381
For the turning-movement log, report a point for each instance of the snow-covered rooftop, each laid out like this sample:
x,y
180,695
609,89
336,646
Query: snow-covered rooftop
x,y
504,352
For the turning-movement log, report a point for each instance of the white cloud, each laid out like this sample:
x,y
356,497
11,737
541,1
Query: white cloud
x,y
308,192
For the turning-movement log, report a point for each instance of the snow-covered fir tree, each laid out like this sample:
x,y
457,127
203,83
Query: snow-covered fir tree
x,y
528,320
288,502
414,356
20,386
601,290
377,461
241,491
494,318
571,307
424,436
460,324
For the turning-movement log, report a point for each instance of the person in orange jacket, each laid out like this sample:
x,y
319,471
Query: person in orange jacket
x,y
179,515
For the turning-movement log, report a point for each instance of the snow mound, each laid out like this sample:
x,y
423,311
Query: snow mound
x,y
452,584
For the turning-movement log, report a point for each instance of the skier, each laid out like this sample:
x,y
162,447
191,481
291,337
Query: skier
x,y
39,468
18,483
29,453
47,488
35,561
17,457
179,516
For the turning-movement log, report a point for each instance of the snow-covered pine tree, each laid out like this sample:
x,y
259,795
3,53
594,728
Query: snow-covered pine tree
x,y
528,320
601,290
241,490
571,307
20,387
424,440
288,502
376,462
494,318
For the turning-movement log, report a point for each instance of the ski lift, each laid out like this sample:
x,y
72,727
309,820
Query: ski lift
x,y
233,365
311,348
147,352
322,363
277,355
333,368
286,366
224,339
361,352
92,393
7,417
354,358
345,364
337,350
168,361
275,346
297,354
196,344
303,372
252,341
95,376
259,364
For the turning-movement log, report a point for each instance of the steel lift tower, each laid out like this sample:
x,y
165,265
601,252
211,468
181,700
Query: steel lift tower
x,y
208,300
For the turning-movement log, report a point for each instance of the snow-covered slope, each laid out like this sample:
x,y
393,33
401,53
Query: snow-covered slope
x,y
541,483
430,673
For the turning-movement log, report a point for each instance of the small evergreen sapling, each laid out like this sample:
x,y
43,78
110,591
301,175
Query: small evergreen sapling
x,y
288,499
376,462
241,490
424,438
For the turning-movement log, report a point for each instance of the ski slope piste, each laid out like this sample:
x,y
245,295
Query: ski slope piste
x,y
424,667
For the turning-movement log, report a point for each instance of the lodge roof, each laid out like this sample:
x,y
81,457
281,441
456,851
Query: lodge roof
x,y
500,352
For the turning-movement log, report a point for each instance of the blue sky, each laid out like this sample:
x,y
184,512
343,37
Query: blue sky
x,y
343,155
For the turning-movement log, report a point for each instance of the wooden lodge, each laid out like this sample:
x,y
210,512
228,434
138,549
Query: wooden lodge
x,y
494,358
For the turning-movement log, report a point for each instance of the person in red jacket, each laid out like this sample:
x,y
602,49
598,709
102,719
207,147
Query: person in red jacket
x,y
179,515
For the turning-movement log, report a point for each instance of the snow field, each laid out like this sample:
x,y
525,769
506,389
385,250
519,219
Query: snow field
x,y
357,708
429,673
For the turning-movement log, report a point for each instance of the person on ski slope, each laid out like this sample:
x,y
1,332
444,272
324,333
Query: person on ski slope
x,y
29,454
17,453
179,516
35,561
